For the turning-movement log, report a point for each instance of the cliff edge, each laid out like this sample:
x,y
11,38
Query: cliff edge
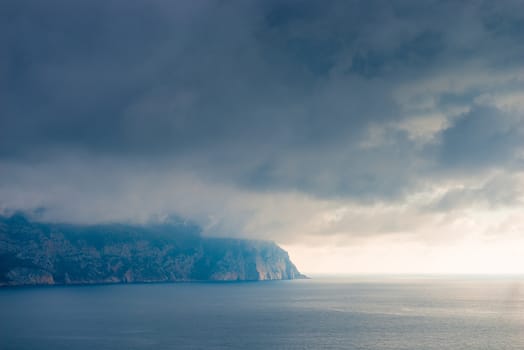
x,y
34,253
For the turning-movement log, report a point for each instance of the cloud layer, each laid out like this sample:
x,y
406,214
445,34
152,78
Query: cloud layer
x,y
297,121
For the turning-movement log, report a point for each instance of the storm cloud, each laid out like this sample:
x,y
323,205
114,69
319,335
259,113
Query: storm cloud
x,y
269,119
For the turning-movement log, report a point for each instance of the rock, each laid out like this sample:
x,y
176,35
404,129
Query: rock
x,y
34,253
30,276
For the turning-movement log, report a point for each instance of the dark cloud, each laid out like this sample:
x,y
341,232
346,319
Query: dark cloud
x,y
367,100
483,137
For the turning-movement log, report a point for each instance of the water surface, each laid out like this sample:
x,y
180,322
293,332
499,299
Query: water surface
x,y
350,313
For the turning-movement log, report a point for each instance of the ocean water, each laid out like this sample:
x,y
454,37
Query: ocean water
x,y
322,313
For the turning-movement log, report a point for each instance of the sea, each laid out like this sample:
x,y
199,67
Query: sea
x,y
352,312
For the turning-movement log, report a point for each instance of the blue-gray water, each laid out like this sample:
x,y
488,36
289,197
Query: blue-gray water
x,y
374,313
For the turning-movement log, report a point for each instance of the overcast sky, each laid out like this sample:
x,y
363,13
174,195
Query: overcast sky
x,y
363,136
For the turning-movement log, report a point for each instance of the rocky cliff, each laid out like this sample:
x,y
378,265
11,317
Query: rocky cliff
x,y
33,253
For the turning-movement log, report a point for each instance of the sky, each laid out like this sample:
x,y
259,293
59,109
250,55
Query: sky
x,y
362,136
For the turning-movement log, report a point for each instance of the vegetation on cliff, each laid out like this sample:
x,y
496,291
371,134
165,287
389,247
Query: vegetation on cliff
x,y
33,253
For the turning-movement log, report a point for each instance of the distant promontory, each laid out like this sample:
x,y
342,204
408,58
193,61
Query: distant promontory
x,y
36,253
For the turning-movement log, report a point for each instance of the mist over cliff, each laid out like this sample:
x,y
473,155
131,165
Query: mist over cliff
x,y
33,253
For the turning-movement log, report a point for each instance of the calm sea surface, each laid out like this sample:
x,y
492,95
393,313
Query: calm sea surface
x,y
352,313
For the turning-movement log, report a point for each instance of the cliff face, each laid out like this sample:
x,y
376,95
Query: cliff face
x,y
36,253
